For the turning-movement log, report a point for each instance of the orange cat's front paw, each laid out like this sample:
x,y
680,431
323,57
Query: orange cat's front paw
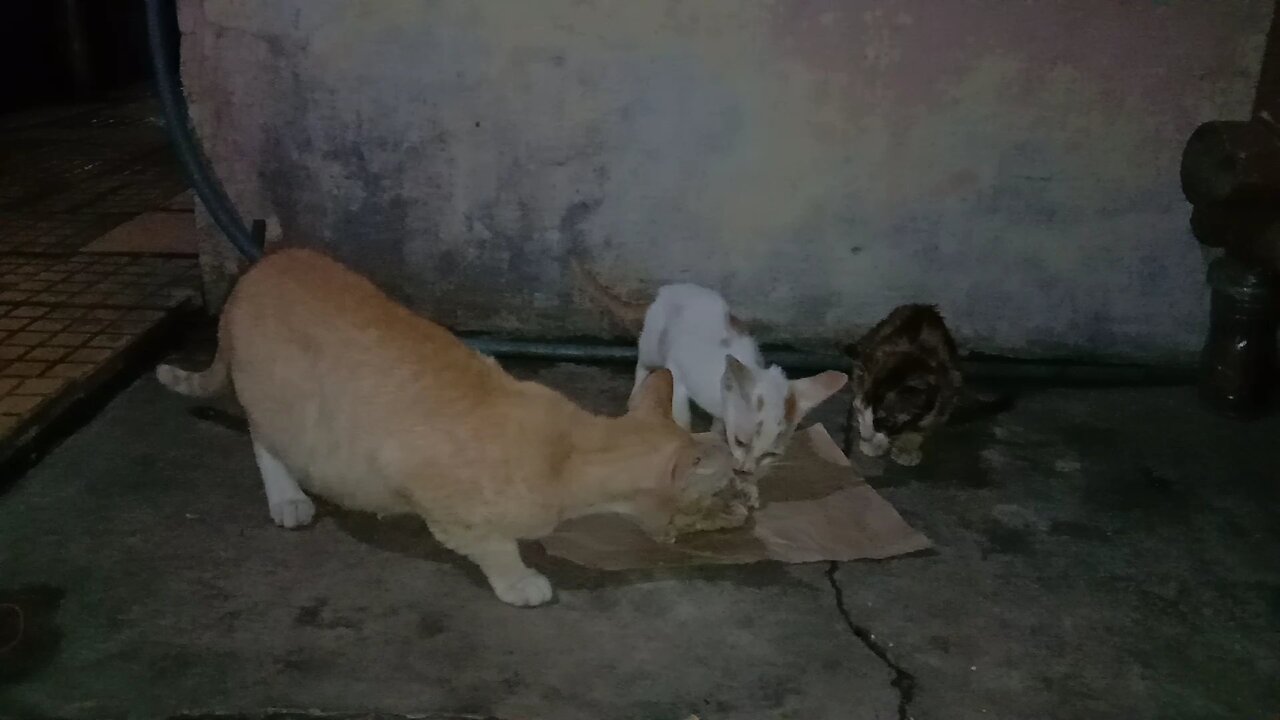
x,y
294,512
527,591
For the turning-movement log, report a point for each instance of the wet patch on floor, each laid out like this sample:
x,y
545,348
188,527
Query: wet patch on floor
x,y
29,632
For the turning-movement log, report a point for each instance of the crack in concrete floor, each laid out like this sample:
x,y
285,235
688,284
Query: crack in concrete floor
x,y
904,682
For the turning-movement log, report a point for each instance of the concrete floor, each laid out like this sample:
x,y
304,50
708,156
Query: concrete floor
x,y
1103,553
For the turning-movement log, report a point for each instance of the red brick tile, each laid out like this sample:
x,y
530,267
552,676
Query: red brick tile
x,y
41,386
113,341
27,337
69,339
24,369
65,313
87,326
47,353
19,404
69,370
91,355
48,325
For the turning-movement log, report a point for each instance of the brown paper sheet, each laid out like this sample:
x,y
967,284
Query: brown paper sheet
x,y
814,507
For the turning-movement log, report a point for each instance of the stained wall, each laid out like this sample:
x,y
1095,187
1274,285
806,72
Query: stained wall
x,y
818,161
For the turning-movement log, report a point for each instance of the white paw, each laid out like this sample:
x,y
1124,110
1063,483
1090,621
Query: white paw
x,y
293,512
526,591
909,457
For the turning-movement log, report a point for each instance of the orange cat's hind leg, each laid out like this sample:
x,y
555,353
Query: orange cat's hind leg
x,y
290,507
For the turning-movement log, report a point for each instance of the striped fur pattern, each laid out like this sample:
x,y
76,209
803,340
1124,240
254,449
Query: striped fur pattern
x,y
906,382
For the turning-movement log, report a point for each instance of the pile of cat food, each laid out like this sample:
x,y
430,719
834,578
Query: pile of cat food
x,y
713,497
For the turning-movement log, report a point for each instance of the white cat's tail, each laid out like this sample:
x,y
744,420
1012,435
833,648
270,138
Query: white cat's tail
x,y
629,314
201,384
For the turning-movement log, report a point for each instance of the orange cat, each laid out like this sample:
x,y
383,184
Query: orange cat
x,y
357,399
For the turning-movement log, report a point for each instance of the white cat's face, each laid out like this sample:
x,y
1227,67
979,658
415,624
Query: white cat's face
x,y
761,409
753,405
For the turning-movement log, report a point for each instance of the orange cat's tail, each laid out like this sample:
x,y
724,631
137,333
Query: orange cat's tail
x,y
629,314
203,384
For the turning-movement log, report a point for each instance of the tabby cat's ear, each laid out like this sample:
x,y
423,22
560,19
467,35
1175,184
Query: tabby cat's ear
x,y
653,397
807,393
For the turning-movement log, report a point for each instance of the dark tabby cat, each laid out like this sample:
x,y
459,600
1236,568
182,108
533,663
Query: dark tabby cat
x,y
906,381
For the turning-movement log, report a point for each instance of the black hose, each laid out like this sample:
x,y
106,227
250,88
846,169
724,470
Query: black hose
x,y
980,368
160,16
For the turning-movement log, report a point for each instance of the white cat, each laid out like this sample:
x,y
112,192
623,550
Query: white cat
x,y
689,330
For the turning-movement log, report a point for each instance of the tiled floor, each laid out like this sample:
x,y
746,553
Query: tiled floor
x,y
69,313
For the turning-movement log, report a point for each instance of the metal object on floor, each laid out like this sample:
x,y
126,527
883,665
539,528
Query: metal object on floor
x,y
1238,364
1231,175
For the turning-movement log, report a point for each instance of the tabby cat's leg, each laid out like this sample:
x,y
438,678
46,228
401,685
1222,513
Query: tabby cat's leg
x,y
499,559
906,449
290,507
680,411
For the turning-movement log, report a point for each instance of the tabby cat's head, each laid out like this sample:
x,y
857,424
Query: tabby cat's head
x,y
894,396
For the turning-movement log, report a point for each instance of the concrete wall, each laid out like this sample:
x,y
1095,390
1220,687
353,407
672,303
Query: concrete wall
x,y
818,161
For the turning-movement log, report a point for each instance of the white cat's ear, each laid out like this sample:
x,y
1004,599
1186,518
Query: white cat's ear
x,y
737,378
654,395
808,393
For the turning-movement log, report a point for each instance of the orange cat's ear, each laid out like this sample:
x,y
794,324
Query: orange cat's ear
x,y
808,393
654,395
686,457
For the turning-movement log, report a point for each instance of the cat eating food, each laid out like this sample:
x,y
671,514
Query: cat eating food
x,y
689,330
906,380
708,502
353,397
